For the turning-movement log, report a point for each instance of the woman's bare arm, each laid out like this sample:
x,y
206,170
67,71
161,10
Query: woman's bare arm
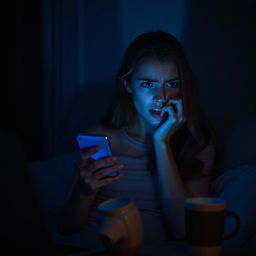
x,y
87,180
73,214
173,190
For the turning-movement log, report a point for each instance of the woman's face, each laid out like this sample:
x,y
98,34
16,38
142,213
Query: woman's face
x,y
152,85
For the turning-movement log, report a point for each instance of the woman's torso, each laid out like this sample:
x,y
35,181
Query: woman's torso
x,y
137,183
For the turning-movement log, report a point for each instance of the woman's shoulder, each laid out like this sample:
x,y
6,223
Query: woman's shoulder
x,y
101,130
112,134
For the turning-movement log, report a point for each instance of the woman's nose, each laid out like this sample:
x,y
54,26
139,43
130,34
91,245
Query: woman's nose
x,y
160,93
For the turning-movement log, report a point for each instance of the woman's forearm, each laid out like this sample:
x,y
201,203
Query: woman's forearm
x,y
173,192
73,214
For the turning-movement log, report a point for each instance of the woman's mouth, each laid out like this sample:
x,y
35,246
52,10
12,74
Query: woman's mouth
x,y
156,112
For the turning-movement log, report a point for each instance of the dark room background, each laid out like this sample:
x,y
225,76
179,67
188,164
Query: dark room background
x,y
65,55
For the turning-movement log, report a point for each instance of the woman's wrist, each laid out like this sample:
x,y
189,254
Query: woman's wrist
x,y
163,146
161,141
84,189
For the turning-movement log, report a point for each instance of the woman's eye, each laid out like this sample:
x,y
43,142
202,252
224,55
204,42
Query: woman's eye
x,y
147,84
173,84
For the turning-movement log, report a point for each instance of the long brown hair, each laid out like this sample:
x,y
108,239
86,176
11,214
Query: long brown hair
x,y
193,137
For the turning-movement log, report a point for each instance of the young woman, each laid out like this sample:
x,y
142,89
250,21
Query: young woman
x,y
162,143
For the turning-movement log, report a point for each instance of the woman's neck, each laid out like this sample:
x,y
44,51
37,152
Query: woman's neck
x,y
140,132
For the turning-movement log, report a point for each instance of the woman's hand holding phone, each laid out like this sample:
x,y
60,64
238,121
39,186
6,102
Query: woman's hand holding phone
x,y
93,173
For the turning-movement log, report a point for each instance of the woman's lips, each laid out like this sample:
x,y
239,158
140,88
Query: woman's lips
x,y
155,114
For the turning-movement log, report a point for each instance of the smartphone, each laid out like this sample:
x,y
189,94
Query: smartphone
x,y
86,141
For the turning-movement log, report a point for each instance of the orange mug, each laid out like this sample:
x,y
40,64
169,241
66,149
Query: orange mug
x,y
204,221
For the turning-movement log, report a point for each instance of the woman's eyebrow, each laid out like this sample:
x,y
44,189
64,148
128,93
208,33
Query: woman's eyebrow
x,y
153,80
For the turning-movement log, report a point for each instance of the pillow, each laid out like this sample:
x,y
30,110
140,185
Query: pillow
x,y
237,187
52,178
240,143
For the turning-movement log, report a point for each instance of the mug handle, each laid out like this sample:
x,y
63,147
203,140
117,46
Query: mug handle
x,y
237,227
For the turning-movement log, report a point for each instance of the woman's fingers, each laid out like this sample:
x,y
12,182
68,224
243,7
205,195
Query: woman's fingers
x,y
87,154
94,174
95,170
100,168
109,180
98,164
173,122
169,110
105,171
179,107
171,113
180,117
98,178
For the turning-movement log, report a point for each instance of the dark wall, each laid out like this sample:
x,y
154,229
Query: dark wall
x,y
219,38
24,90
23,222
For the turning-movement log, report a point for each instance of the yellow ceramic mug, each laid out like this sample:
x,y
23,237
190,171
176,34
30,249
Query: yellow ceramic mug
x,y
119,224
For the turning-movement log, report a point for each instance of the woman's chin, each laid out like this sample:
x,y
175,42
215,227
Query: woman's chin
x,y
156,122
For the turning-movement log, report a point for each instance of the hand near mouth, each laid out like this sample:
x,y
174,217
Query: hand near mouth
x,y
175,119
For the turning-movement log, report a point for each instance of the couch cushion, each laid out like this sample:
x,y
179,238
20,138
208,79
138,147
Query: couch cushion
x,y
52,178
240,144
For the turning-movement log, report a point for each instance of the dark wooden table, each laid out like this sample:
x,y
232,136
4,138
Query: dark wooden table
x,y
182,249
170,249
